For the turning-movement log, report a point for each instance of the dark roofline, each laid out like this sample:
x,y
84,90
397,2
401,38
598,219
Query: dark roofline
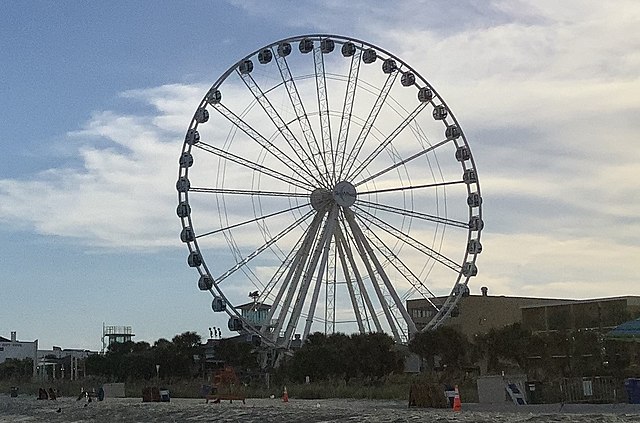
x,y
3,339
442,298
559,300
521,297
249,306
586,301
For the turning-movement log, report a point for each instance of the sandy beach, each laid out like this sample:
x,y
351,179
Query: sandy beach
x,y
28,409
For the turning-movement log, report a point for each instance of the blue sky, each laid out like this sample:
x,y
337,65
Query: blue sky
x,y
94,100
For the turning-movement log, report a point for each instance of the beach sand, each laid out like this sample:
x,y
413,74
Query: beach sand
x,y
28,409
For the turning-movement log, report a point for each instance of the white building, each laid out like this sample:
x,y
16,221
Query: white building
x,y
12,348
59,363
59,353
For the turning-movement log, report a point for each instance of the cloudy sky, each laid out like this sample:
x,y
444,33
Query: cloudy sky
x,y
94,102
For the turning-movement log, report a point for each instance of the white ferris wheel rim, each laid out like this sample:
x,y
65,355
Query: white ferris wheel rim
x,y
328,195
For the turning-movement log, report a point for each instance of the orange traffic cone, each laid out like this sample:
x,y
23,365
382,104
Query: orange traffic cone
x,y
457,405
285,395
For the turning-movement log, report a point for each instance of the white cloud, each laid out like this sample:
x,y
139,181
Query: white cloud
x,y
123,195
174,103
551,265
546,93
547,100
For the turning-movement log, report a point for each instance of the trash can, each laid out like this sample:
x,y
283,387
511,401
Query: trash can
x,y
632,386
14,391
534,392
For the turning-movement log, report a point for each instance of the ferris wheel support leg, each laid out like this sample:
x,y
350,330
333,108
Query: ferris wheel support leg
x,y
327,236
308,275
330,295
350,288
372,274
283,287
297,272
411,326
363,291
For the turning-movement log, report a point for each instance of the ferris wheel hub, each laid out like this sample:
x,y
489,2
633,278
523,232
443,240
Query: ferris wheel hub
x,y
344,194
320,199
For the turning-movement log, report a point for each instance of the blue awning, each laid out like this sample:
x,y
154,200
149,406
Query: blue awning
x,y
629,331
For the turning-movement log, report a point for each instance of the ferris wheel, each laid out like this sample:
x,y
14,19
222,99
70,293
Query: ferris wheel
x,y
323,183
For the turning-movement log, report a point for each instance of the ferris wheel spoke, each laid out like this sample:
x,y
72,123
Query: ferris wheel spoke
x,y
324,244
267,293
357,232
366,128
415,214
284,130
409,240
295,272
246,222
260,249
253,166
288,266
403,125
416,284
269,146
444,311
323,111
411,187
248,192
402,162
347,108
317,155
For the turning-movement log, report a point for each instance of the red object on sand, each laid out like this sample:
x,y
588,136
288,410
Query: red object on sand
x,y
457,405
285,395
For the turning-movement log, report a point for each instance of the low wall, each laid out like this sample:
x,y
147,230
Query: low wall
x,y
113,390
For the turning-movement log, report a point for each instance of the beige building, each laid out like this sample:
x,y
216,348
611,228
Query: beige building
x,y
477,314
601,314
